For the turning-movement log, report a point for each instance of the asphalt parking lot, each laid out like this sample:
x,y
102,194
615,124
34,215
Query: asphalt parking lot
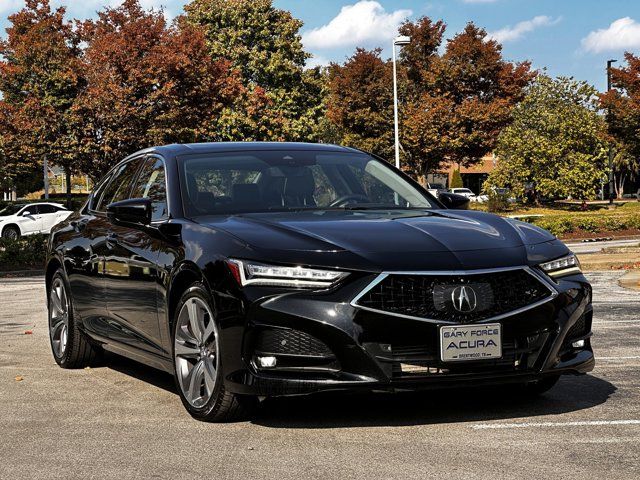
x,y
124,420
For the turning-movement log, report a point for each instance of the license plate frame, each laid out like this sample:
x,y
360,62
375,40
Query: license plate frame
x,y
462,351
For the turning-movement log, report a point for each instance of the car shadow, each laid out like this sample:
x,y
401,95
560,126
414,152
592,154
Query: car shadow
x,y
139,371
340,409
332,410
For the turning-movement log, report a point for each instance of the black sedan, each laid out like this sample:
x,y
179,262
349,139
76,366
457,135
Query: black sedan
x,y
251,270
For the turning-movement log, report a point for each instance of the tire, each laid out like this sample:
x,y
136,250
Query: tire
x,y
69,346
11,232
197,361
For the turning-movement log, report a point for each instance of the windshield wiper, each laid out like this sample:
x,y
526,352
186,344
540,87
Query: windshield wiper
x,y
372,206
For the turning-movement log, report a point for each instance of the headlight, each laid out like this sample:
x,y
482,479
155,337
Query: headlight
x,y
253,273
561,267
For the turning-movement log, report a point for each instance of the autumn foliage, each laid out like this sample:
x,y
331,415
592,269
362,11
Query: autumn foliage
x,y
453,104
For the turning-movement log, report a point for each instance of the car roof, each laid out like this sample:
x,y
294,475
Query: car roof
x,y
214,147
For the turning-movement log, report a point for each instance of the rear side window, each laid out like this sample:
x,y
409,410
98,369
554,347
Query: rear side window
x,y
151,184
120,185
47,209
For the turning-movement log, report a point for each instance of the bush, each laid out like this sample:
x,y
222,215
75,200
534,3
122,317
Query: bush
x,y
556,225
497,202
588,224
24,253
615,223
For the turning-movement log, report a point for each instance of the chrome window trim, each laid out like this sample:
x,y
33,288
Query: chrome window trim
x,y
553,292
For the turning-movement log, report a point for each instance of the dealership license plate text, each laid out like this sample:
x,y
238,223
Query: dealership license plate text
x,y
470,342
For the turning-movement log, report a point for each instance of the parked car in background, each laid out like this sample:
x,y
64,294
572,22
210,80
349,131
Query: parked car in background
x,y
27,219
436,188
498,191
465,192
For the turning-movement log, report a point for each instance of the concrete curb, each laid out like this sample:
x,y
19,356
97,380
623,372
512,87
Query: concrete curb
x,y
630,280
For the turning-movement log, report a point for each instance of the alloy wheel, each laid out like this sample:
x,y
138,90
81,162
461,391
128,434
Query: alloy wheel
x,y
10,233
196,352
58,317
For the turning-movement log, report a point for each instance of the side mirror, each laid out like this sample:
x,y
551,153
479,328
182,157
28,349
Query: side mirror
x,y
454,201
134,212
26,213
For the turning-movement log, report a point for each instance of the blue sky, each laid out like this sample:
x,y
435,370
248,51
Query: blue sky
x,y
568,37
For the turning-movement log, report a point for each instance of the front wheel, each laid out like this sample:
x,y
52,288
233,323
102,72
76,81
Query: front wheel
x,y
197,361
11,233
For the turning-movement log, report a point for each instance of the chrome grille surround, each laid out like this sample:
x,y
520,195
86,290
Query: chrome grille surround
x,y
458,273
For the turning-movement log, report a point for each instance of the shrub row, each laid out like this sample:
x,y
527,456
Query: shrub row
x,y
563,224
24,253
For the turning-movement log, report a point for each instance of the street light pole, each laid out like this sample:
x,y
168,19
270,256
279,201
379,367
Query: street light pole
x,y
611,185
398,41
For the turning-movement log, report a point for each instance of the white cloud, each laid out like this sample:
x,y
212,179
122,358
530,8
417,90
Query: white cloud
x,y
361,24
317,61
623,33
509,33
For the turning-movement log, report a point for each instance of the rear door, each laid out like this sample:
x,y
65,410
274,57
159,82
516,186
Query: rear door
x,y
49,216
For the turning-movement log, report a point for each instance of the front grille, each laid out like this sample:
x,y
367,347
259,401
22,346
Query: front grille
x,y
280,341
437,296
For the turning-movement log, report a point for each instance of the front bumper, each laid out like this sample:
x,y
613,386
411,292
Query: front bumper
x,y
379,352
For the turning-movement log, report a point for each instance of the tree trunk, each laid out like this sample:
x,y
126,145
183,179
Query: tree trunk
x,y
67,174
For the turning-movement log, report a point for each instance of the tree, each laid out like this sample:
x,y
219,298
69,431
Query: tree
x,y
360,102
623,119
456,179
555,145
458,101
452,106
282,101
147,84
39,81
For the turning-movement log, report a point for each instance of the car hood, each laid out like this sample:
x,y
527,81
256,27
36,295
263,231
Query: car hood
x,y
405,239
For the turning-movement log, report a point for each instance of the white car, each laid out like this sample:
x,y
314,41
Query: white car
x,y
465,192
28,219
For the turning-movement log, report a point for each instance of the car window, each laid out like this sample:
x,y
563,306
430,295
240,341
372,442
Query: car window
x,y
151,184
120,185
291,180
43,208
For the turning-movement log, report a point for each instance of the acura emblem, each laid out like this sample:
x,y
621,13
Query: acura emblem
x,y
464,299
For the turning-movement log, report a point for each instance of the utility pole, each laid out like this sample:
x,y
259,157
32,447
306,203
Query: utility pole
x,y
611,185
398,41
46,178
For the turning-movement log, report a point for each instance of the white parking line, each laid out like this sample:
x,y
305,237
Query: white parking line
x,y
495,426
602,322
619,358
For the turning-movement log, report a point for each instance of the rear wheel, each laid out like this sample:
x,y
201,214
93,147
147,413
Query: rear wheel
x,y
197,361
11,233
70,348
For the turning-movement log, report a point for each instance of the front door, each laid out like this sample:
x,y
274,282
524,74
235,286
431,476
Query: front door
x,y
131,258
30,220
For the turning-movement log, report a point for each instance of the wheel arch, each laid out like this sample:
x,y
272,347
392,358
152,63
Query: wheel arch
x,y
185,275
11,225
52,267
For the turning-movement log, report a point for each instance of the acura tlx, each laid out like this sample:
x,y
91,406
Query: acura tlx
x,y
252,270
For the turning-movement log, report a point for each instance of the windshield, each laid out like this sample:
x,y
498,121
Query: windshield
x,y
262,181
10,210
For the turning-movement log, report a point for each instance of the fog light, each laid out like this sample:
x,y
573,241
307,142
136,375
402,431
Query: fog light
x,y
578,344
266,362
